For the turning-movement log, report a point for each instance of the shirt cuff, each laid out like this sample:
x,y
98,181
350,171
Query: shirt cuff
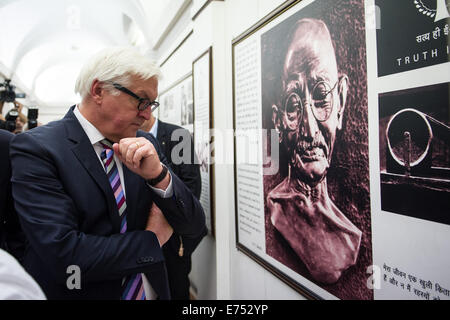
x,y
164,193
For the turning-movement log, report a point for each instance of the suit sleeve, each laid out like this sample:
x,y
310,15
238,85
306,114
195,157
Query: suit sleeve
x,y
51,222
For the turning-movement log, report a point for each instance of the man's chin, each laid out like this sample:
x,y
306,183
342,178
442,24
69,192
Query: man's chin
x,y
127,134
311,172
131,132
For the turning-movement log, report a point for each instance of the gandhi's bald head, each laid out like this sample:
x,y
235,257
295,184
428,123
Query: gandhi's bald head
x,y
310,51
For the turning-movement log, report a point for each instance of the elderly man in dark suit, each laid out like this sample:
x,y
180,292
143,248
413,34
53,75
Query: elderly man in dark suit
x,y
84,186
178,250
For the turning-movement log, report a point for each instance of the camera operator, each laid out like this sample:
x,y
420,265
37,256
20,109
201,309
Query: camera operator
x,y
16,121
21,120
9,121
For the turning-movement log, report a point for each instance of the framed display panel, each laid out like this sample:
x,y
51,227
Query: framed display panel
x,y
176,103
411,110
307,191
203,124
301,147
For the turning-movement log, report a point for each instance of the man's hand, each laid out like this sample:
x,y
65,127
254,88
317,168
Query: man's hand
x,y
18,106
158,224
140,156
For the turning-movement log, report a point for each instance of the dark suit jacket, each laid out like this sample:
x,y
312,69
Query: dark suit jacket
x,y
11,237
69,214
188,173
179,267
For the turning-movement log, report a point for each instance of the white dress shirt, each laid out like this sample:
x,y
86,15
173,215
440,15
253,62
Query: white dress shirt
x,y
15,282
95,137
154,130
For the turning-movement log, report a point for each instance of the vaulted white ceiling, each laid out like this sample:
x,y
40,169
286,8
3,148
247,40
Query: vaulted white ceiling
x,y
43,43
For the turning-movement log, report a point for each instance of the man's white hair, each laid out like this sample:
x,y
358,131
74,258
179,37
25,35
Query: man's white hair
x,y
115,65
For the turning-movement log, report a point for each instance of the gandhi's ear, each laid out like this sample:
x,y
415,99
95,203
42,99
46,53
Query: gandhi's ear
x,y
276,119
342,91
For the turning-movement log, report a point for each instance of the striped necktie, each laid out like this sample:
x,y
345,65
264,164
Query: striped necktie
x,y
133,288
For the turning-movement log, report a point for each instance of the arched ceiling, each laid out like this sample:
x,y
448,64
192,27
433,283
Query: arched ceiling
x,y
43,43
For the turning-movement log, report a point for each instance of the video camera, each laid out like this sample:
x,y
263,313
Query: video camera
x,y
8,94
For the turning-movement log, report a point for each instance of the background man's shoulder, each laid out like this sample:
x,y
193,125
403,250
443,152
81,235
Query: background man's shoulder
x,y
147,135
169,127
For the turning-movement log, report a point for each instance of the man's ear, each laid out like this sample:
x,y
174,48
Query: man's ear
x,y
276,120
96,91
342,91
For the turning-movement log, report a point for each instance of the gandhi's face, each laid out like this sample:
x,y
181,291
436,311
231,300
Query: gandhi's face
x,y
311,110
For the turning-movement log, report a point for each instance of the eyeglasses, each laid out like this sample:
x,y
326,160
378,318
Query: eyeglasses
x,y
321,103
144,103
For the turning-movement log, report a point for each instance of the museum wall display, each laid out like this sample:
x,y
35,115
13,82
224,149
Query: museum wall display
x,y
342,158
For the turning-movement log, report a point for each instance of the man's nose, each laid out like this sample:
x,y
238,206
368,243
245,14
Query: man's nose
x,y
309,122
146,113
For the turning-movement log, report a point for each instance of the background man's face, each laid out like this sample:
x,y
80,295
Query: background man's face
x,y
310,94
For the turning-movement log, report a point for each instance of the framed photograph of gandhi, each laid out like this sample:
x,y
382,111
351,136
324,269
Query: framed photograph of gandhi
x,y
203,122
301,147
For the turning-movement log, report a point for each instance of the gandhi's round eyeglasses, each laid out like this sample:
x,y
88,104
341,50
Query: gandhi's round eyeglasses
x,y
144,103
321,102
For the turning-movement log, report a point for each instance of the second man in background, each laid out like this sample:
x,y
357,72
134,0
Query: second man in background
x,y
178,250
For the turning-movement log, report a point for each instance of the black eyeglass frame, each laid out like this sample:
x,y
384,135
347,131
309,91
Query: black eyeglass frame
x,y
144,103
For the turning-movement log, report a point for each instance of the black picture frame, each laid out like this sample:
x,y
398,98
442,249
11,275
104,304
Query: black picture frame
x,y
209,169
305,285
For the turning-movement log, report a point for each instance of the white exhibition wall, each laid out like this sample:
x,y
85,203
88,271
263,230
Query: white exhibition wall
x,y
219,270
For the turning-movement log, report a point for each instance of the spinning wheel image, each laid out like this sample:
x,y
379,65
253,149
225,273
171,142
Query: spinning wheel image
x,y
411,136
408,137
416,178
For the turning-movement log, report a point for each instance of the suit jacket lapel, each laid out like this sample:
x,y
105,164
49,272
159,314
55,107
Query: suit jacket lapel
x,y
85,153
